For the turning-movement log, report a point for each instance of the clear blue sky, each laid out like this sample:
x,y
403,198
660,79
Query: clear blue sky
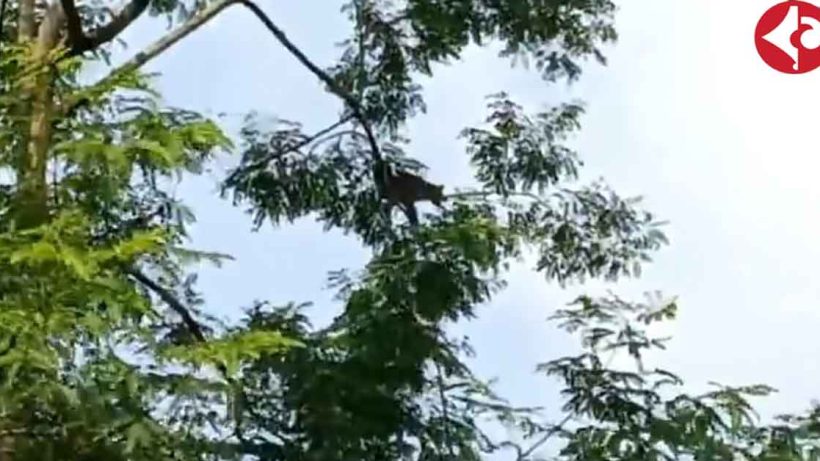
x,y
685,114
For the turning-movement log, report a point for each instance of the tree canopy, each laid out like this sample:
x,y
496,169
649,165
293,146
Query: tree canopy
x,y
108,351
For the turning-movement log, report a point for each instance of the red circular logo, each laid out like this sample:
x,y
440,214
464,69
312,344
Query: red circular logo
x,y
787,37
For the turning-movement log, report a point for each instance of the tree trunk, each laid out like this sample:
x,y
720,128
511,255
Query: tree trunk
x,y
38,94
26,26
36,109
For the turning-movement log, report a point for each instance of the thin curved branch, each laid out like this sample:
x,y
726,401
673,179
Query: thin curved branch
x,y
528,195
522,455
324,132
331,137
295,148
195,329
168,298
354,105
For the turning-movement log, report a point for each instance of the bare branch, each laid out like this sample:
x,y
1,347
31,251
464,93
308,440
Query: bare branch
x,y
330,137
196,330
158,47
523,455
528,195
314,137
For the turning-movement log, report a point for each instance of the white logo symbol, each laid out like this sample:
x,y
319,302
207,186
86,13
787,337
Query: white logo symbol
x,y
781,36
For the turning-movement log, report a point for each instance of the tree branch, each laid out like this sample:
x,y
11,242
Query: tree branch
x,y
76,38
444,413
196,330
295,148
168,298
312,138
159,46
3,4
119,21
79,42
528,195
523,455
319,73
320,141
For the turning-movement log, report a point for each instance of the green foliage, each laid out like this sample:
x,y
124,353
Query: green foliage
x,y
380,353
393,41
645,413
231,351
521,151
82,369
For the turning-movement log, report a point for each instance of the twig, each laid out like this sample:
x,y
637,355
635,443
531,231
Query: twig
x,y
209,13
522,456
529,195
319,142
301,144
119,21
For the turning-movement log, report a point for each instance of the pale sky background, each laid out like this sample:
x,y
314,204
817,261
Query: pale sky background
x,y
685,114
